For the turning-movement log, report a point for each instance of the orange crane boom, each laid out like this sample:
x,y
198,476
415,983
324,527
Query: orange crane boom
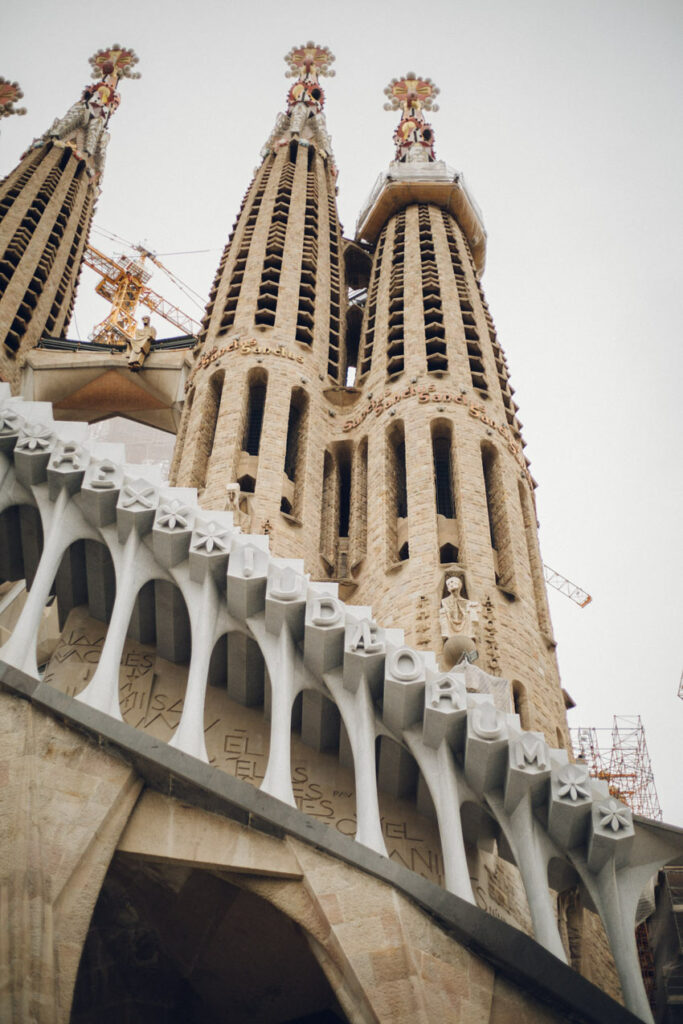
x,y
124,285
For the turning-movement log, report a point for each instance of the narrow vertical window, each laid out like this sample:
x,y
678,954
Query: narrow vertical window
x,y
293,477
397,496
359,504
246,465
328,536
344,509
499,528
252,429
442,457
443,477
521,703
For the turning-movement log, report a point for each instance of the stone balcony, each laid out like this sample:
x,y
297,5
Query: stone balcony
x,y
435,183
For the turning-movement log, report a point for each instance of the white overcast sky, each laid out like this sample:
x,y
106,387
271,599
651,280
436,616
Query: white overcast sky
x,y
565,118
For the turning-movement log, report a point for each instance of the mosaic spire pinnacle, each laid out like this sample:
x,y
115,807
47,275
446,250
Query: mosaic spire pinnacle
x,y
304,118
10,93
308,64
414,136
83,126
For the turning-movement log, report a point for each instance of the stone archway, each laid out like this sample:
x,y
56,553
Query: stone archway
x,y
178,944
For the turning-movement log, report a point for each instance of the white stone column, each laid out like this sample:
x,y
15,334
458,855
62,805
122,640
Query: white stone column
x,y
525,840
358,715
20,649
621,934
280,657
439,771
102,692
189,736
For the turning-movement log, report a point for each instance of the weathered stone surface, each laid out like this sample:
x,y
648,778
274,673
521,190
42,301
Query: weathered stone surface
x,y
63,805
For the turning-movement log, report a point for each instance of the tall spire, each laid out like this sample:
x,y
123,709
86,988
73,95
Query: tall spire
x,y
414,136
84,126
46,207
304,118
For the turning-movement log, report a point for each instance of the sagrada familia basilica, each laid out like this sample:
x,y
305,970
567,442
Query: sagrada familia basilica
x,y
283,736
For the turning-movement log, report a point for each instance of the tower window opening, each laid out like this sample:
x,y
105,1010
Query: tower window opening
x,y
295,454
396,483
359,504
255,407
401,482
247,484
488,456
292,449
344,492
521,703
443,477
448,553
499,529
328,533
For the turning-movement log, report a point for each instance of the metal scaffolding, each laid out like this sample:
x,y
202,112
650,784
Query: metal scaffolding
x,y
620,756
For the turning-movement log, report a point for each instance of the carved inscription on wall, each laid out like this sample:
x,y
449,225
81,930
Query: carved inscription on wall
x,y
426,393
151,695
488,629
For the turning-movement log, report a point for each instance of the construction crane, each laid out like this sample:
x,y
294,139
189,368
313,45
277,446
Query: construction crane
x,y
124,285
571,590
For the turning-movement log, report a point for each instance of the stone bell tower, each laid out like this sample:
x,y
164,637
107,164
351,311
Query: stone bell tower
x,y
273,335
46,207
440,487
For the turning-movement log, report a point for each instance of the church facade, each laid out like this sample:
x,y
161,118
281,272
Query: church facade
x,y
286,738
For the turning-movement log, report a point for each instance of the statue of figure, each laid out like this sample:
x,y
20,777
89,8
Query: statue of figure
x,y
144,336
458,618
240,518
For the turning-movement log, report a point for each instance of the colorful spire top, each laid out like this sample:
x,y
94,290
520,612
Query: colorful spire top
x,y
10,93
83,127
115,61
308,64
414,137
